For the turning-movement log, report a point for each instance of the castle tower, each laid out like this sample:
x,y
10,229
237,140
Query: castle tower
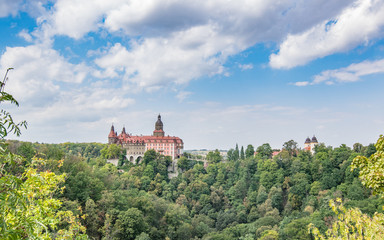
x,y
314,142
158,128
307,144
112,137
123,131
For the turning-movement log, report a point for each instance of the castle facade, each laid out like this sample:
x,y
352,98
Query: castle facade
x,y
136,146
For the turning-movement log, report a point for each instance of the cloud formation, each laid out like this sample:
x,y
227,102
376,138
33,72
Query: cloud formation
x,y
352,73
150,45
174,42
358,24
9,7
39,73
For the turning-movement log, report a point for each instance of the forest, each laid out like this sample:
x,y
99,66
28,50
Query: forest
x,y
246,196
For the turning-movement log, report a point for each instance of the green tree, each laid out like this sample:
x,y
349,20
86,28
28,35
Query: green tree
x,y
291,147
236,153
250,151
371,149
92,221
242,155
372,168
230,154
150,156
27,206
214,157
358,147
352,223
111,151
131,223
264,151
26,150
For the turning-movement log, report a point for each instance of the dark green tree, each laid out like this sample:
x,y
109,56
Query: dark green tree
x,y
358,147
291,147
242,155
150,156
130,224
250,151
214,157
236,153
264,151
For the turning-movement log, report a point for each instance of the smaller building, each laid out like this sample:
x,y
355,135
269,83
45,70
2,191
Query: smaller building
x,y
310,144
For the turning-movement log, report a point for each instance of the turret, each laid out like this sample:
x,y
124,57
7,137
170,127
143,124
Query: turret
x,y
307,144
313,143
158,128
112,137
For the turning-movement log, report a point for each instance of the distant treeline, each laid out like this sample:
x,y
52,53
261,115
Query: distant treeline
x,y
55,151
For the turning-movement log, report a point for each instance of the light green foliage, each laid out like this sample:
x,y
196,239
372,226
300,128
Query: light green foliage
x,y
351,224
372,168
111,151
270,235
27,207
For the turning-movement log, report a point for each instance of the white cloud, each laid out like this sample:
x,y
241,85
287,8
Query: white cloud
x,y
25,35
157,62
351,73
9,7
357,24
182,95
301,84
54,93
39,72
13,7
174,42
75,18
244,67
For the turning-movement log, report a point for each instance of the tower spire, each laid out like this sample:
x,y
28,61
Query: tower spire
x,y
159,132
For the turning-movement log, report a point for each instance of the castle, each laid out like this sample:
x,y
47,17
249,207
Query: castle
x,y
136,146
310,144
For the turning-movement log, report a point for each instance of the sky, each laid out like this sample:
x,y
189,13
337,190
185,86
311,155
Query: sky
x,y
219,72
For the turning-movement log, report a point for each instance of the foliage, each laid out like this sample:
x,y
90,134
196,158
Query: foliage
x,y
215,157
27,204
372,169
250,151
264,151
111,151
351,224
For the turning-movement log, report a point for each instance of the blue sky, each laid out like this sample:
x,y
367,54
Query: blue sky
x,y
219,72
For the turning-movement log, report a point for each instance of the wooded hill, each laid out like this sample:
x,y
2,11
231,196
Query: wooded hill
x,y
247,197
